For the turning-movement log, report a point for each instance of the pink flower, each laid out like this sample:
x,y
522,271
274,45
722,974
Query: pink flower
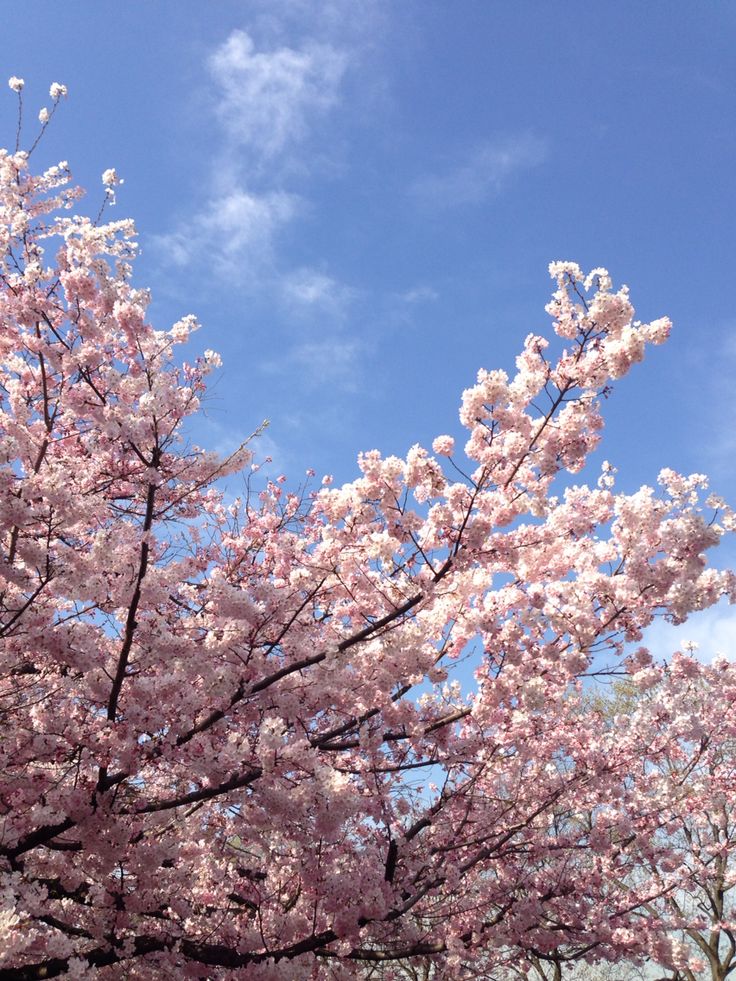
x,y
443,445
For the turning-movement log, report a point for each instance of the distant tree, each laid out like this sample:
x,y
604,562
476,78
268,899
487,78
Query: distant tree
x,y
235,740
675,819
689,722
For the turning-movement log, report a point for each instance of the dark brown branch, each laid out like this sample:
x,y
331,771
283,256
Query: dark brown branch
x,y
235,782
131,623
39,837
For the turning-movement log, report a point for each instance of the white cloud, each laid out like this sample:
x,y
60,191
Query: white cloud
x,y
485,172
420,294
318,364
268,102
308,289
269,99
236,230
713,630
284,18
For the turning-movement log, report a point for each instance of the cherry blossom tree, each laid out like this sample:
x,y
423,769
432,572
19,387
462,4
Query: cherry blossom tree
x,y
673,819
688,719
244,739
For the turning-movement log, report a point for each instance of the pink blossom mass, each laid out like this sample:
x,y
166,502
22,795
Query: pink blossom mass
x,y
340,731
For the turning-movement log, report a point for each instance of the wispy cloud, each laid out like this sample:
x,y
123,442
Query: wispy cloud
x,y
484,173
420,294
268,100
238,230
326,21
308,290
276,96
330,362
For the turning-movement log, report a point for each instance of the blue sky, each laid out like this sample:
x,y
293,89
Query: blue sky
x,y
360,199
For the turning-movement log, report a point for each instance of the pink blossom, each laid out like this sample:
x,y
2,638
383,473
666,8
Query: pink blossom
x,y
443,445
